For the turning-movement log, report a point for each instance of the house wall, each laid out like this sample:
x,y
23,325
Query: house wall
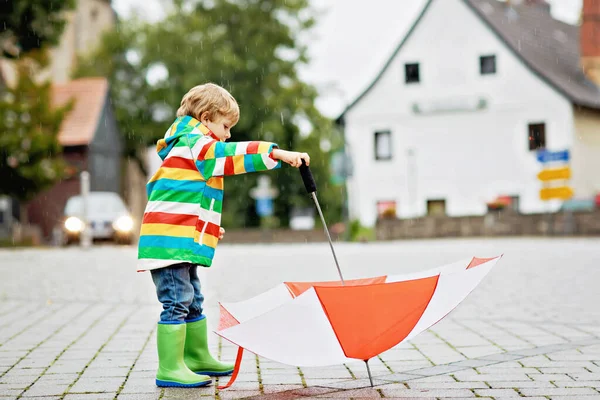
x,y
106,153
46,209
466,158
82,33
585,165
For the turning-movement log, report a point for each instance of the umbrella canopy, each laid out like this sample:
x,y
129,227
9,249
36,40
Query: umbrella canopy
x,y
327,323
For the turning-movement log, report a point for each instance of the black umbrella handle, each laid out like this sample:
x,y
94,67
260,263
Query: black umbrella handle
x,y
311,188
307,178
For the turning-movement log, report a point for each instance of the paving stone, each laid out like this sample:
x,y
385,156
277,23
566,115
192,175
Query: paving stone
x,y
46,389
559,392
12,393
26,379
491,377
472,363
366,393
42,398
479,351
312,391
280,388
403,392
353,384
399,377
435,378
324,373
97,385
140,385
497,369
253,385
549,377
281,379
567,384
497,393
239,394
519,384
563,370
138,396
91,396
438,370
501,357
190,394
26,371
447,385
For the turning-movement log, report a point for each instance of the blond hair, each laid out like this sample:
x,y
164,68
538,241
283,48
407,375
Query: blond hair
x,y
209,98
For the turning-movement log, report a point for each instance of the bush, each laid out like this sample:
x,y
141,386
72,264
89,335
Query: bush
x,y
359,233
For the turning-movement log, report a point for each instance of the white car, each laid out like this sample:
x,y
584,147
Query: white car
x,y
108,217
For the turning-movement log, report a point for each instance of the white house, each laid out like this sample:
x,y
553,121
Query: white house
x,y
457,114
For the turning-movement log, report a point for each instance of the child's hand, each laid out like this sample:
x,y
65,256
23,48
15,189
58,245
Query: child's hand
x,y
221,233
292,158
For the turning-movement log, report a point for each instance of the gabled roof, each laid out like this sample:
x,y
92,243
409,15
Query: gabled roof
x,y
80,124
548,47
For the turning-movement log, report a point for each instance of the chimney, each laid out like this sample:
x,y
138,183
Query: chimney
x,y
589,37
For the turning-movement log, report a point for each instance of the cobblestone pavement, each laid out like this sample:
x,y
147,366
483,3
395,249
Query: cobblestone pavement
x,y
80,324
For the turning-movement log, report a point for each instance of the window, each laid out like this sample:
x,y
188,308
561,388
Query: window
x,y
383,145
537,136
436,207
411,73
487,65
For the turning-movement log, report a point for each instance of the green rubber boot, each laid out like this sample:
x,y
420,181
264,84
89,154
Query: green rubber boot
x,y
172,371
196,354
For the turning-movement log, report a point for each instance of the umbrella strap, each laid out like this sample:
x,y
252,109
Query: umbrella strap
x,y
236,368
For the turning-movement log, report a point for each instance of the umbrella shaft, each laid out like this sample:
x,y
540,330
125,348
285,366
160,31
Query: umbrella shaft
x,y
314,196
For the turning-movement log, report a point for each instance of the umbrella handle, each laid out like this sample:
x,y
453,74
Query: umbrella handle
x,y
311,187
307,178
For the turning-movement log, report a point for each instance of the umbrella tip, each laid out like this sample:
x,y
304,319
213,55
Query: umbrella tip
x,y
369,371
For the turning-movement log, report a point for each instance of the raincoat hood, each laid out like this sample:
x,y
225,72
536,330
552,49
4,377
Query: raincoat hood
x,y
183,127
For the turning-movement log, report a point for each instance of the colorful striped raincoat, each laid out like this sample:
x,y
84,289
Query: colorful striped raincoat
x,y
185,196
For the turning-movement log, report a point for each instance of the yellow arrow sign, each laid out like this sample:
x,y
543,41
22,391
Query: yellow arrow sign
x,y
560,193
554,173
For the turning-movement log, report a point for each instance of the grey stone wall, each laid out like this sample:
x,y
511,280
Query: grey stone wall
x,y
495,224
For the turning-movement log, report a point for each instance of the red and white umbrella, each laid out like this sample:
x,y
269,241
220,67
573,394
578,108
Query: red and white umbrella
x,y
310,324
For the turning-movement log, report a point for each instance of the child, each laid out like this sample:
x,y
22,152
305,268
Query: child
x,y
181,225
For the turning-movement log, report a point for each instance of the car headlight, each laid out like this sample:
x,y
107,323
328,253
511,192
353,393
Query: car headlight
x,y
123,224
74,224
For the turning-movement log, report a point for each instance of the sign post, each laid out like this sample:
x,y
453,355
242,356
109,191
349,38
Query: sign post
x,y
264,194
85,239
555,176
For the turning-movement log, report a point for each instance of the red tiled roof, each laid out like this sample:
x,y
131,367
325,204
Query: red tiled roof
x,y
89,95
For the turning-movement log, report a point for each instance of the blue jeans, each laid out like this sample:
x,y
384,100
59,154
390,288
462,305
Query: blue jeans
x,y
178,289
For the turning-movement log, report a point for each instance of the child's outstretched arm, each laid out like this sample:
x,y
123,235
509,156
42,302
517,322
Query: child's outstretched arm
x,y
232,158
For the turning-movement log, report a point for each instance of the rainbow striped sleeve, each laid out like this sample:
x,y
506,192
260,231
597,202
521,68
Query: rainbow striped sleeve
x,y
234,158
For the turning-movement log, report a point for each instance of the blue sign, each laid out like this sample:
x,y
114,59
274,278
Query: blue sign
x,y
264,207
545,156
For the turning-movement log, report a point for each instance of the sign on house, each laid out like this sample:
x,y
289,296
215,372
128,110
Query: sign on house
x,y
545,156
555,176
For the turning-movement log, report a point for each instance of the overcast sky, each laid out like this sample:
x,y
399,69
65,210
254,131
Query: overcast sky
x,y
351,42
